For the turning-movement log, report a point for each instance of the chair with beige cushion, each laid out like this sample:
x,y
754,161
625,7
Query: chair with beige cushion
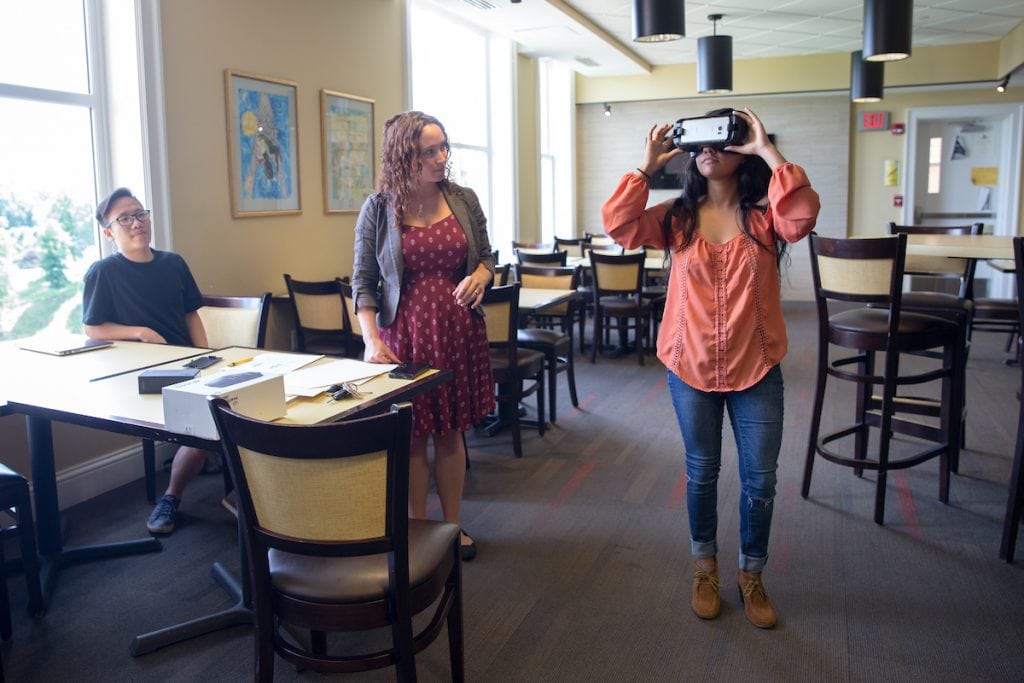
x,y
618,300
555,344
330,547
228,321
858,285
942,286
1015,500
517,371
319,316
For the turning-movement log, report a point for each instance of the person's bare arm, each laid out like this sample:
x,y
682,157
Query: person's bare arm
x,y
116,332
196,331
376,350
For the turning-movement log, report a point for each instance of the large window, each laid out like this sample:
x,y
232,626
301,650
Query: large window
x,y
47,178
557,188
465,78
55,84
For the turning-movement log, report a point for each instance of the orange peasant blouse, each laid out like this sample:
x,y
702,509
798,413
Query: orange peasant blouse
x,y
722,329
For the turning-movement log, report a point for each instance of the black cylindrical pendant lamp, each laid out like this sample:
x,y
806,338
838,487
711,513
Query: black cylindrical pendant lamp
x,y
714,64
656,21
867,79
714,61
887,29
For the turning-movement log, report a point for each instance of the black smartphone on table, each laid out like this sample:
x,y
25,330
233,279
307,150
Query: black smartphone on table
x,y
409,370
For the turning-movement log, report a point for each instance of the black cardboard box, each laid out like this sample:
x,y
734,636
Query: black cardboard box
x,y
153,381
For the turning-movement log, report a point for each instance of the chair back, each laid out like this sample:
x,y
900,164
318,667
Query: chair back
x,y
552,258
319,310
533,247
599,240
573,246
501,275
958,270
1018,259
337,489
859,270
617,274
235,320
551,277
501,310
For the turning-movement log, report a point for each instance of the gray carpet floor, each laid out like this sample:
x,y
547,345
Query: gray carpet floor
x,y
583,571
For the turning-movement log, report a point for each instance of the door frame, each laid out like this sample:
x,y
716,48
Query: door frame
x,y
1011,119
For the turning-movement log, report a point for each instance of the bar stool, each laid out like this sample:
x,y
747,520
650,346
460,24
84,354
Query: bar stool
x,y
1015,499
956,305
870,272
16,501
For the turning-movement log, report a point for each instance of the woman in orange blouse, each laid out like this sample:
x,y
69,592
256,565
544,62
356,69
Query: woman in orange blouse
x,y
723,336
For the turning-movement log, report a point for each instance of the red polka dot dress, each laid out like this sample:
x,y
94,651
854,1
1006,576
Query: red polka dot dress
x,y
431,326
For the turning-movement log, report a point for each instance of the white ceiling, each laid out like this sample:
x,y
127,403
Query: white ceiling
x,y
600,32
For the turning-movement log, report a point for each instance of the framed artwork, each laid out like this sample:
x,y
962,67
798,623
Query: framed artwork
x,y
263,144
346,128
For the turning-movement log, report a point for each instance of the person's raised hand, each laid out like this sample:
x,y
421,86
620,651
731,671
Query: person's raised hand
x,y
758,141
659,149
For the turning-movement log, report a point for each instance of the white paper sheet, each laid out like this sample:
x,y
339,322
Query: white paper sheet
x,y
313,380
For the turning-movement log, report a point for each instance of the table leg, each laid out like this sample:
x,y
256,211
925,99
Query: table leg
x,y
53,554
238,614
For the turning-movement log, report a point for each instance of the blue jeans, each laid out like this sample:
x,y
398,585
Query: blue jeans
x,y
756,416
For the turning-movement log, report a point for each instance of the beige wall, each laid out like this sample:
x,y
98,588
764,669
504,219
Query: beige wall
x,y
870,201
928,65
351,46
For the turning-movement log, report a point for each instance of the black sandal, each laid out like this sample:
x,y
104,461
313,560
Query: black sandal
x,y
467,551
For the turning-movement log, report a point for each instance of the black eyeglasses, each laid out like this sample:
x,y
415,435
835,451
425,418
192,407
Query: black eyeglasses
x,y
142,216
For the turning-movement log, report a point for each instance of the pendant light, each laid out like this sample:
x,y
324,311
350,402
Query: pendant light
x,y
655,21
714,60
867,79
887,29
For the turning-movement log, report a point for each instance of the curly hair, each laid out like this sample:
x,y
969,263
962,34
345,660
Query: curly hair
x,y
752,178
400,163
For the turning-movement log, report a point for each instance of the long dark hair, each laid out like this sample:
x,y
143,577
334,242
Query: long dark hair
x,y
752,178
400,160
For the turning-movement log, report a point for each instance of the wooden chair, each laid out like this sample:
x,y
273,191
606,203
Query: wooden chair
x,y
533,247
618,300
869,272
557,346
16,504
554,258
1015,499
513,367
573,246
228,321
947,292
319,316
353,328
235,320
330,546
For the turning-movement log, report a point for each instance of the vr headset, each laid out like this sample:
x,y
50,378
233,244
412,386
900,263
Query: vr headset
x,y
697,133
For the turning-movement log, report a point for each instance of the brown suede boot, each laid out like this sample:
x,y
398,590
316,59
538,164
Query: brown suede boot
x,y
759,608
706,603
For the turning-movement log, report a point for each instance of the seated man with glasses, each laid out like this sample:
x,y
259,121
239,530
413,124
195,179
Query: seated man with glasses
x,y
142,294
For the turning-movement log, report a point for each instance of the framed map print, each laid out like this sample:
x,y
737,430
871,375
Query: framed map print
x,y
346,127
263,145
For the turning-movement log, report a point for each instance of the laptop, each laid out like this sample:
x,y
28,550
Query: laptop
x,y
63,345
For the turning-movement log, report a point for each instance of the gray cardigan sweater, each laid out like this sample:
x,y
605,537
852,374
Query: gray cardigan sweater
x,y
379,266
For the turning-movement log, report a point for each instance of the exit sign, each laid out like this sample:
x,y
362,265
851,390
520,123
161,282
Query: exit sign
x,y
874,120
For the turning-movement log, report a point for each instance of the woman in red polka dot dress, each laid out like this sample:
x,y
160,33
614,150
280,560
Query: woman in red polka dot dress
x,y
422,261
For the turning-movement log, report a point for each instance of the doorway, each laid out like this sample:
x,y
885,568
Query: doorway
x,y
964,166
